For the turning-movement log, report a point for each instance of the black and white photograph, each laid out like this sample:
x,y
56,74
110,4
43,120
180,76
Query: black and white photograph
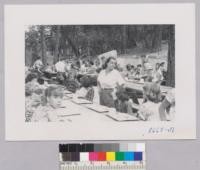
x,y
99,73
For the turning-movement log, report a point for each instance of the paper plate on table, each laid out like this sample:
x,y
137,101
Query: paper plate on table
x,y
122,117
81,101
98,108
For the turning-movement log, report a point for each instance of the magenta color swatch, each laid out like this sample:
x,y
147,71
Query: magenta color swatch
x,y
93,156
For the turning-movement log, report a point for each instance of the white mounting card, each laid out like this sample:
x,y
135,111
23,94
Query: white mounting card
x,y
85,123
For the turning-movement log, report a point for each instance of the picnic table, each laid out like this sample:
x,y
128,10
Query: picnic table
x,y
80,111
138,86
134,84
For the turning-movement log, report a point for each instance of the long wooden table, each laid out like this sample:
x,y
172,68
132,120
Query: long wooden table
x,y
136,85
73,112
139,86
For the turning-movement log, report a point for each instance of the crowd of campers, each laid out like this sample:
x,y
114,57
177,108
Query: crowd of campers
x,y
102,82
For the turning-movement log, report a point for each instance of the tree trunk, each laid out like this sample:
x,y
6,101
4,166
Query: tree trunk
x,y
57,38
124,38
43,46
74,48
157,38
88,47
171,58
66,38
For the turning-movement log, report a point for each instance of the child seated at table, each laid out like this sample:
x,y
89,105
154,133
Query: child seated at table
x,y
51,101
71,82
86,91
138,72
34,84
31,103
167,107
124,102
149,110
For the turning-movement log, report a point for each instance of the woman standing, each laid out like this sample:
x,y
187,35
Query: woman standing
x,y
108,81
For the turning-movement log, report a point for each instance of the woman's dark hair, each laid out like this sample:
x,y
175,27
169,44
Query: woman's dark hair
x,y
132,67
157,66
91,63
78,64
128,67
38,57
72,66
107,61
162,64
40,80
143,56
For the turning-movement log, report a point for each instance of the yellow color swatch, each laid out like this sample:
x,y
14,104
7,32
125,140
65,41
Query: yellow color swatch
x,y
110,156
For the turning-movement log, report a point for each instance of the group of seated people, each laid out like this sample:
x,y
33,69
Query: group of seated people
x,y
146,73
108,88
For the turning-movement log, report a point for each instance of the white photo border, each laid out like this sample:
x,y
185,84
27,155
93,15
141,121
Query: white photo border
x,y
17,17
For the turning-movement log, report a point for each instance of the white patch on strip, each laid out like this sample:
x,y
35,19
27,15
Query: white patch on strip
x,y
140,147
84,156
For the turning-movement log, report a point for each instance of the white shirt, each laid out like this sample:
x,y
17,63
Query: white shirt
x,y
60,66
111,79
45,114
38,64
150,111
158,76
81,92
83,69
68,66
170,97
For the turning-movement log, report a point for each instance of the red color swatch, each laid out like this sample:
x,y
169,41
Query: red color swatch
x,y
101,156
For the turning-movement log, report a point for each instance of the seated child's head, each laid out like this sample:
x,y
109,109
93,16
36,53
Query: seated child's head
x,y
71,75
132,68
85,81
152,92
40,80
128,67
30,77
53,96
122,94
138,68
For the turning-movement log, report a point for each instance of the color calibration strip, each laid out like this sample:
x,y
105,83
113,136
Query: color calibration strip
x,y
102,156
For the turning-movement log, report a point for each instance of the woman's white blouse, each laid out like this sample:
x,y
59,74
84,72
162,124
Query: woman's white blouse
x,y
111,79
